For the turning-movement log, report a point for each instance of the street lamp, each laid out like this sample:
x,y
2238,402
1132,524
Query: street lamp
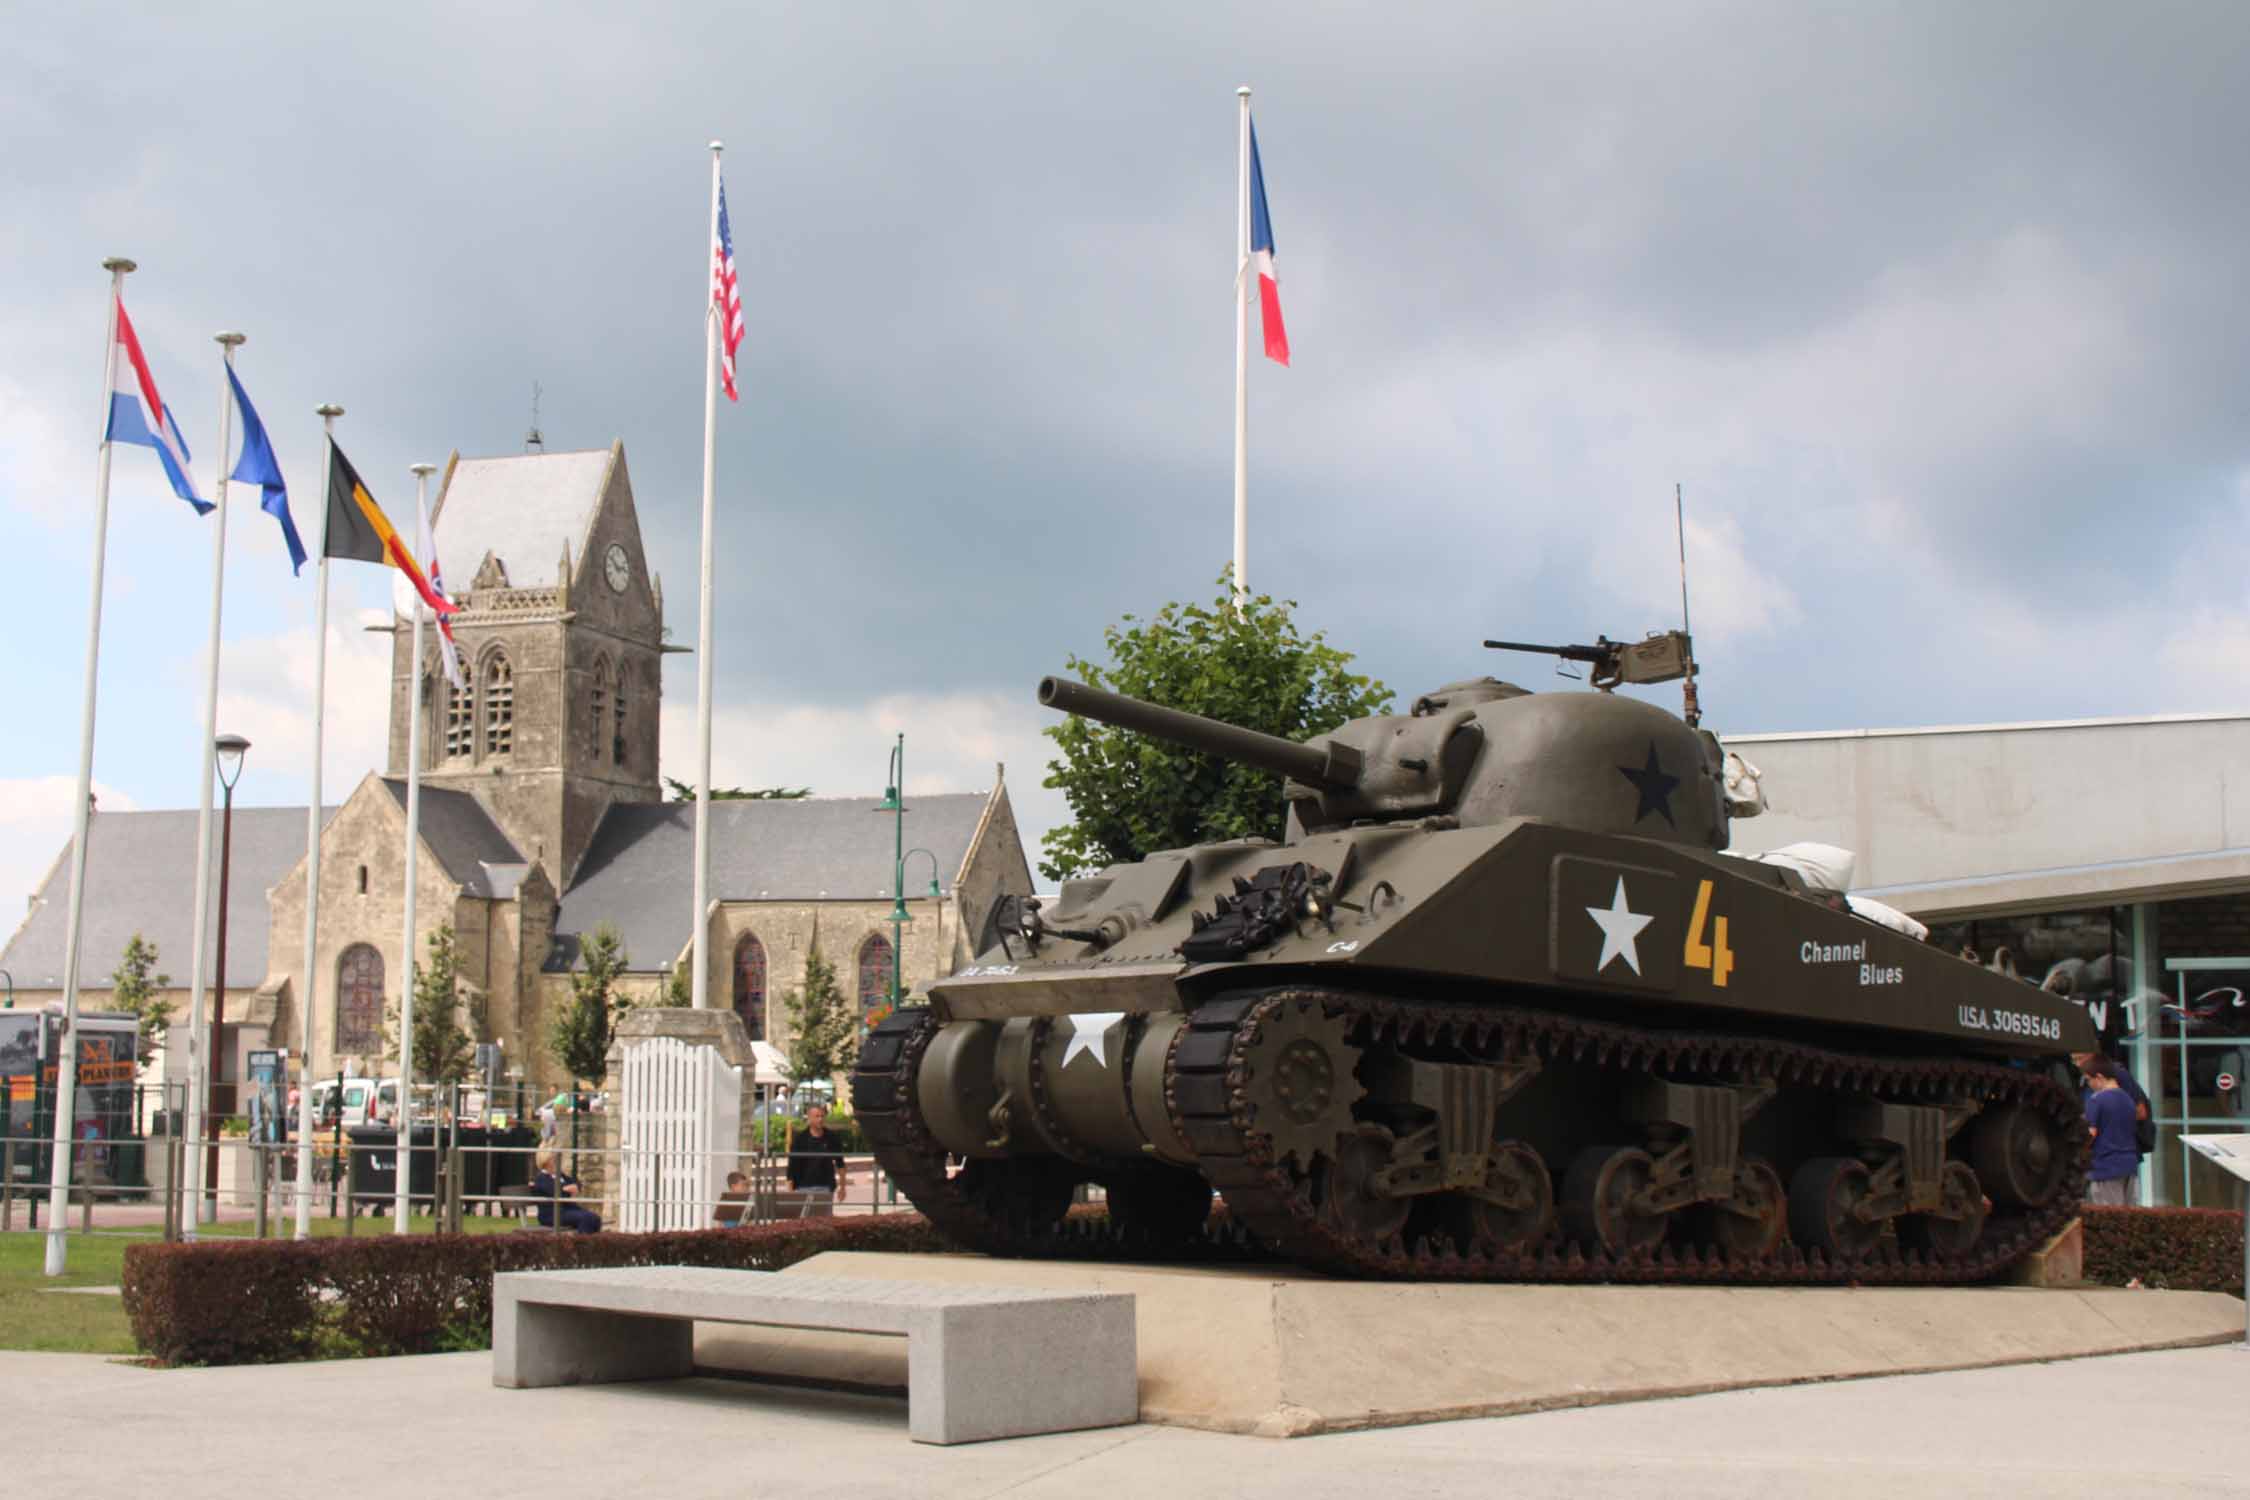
x,y
229,750
894,804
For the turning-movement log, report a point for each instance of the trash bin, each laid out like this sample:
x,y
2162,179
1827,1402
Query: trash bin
x,y
374,1170
492,1159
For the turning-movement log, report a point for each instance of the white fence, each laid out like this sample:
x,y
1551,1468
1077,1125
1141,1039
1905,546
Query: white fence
x,y
678,1135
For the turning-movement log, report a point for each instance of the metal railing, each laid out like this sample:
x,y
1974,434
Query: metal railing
x,y
451,1179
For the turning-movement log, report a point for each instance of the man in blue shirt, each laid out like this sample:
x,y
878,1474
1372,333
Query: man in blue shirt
x,y
2111,1178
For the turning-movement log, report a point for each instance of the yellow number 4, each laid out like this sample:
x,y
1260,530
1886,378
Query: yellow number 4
x,y
1714,955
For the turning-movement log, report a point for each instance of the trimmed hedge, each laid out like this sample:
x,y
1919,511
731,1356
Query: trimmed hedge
x,y
2175,1249
263,1301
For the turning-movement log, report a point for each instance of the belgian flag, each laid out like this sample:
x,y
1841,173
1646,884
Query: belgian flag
x,y
358,531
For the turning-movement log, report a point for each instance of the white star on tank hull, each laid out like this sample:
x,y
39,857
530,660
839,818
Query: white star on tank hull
x,y
1089,1032
1621,928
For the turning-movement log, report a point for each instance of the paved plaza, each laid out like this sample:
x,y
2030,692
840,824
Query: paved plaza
x,y
2141,1424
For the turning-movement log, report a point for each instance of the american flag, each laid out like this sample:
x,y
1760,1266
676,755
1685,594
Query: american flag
x,y
726,296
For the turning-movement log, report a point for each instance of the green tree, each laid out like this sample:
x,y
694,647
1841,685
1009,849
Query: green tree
x,y
1130,794
823,1027
681,791
679,987
446,1028
135,989
579,1035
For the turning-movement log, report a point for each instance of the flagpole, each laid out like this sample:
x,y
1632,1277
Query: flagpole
x,y
405,1157
328,415
66,1062
1242,356
201,1058
699,984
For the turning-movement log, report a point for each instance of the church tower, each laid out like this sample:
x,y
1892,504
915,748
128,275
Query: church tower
x,y
560,633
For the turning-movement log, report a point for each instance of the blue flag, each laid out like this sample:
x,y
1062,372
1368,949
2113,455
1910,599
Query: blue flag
x,y
258,466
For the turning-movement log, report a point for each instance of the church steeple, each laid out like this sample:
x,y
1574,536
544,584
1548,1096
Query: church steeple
x,y
559,719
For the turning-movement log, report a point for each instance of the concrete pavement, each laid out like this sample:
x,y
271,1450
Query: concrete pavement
x,y
2145,1424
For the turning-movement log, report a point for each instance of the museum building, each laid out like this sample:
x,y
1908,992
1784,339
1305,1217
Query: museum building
x,y
2098,858
542,817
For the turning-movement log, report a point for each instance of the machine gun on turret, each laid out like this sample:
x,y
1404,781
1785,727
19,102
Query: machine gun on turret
x,y
1666,656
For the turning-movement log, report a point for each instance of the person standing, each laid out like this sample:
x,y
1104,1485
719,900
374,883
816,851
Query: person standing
x,y
816,1161
2112,1177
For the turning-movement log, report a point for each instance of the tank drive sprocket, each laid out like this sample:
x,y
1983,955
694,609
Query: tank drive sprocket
x,y
1298,1070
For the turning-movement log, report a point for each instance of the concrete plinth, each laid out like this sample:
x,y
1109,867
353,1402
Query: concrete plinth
x,y
1282,1354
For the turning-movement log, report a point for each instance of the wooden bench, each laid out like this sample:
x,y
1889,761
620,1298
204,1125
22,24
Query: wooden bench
x,y
982,1362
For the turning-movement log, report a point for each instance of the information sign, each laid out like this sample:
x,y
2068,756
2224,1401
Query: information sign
x,y
2231,1152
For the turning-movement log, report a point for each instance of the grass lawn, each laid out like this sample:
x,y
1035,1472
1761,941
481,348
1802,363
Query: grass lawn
x,y
35,1316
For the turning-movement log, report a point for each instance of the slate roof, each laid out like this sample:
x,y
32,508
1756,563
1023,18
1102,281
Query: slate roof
x,y
140,877
525,507
637,873
471,847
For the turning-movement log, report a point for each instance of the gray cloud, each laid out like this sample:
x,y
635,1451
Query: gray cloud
x,y
1931,310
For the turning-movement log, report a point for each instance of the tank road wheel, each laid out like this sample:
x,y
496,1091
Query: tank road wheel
x,y
1600,1197
1749,1225
1824,1201
1028,1195
1300,1072
1343,1186
1159,1206
1520,1173
1953,1234
2016,1156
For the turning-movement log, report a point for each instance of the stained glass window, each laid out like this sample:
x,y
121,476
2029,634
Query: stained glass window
x,y
874,975
750,985
359,1000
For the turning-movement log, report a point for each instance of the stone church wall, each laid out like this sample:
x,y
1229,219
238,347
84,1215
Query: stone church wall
x,y
365,841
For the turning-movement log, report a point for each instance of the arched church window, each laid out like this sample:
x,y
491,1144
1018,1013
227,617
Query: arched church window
x,y
617,728
460,722
874,975
750,985
499,705
600,706
359,1000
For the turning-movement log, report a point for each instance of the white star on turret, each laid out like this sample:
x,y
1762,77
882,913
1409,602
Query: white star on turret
x,y
1620,926
1089,1032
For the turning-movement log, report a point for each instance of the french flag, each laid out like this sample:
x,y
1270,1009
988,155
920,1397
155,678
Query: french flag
x,y
1261,256
138,415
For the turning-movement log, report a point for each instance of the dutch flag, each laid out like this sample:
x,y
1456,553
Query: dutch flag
x,y
1261,256
138,415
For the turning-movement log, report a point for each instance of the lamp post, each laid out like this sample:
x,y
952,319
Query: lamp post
x,y
229,750
935,896
894,804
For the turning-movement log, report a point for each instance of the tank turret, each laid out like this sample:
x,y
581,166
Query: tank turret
x,y
1480,751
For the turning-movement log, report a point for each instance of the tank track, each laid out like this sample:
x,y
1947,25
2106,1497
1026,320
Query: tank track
x,y
1209,1095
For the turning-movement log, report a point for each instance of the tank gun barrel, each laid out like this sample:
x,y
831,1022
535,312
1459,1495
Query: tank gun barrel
x,y
1592,654
1331,767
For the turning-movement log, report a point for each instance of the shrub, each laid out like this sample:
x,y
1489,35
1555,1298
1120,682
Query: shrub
x,y
262,1301
221,1303
2179,1249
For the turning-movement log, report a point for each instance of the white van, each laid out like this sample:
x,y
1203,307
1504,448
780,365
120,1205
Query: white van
x,y
365,1100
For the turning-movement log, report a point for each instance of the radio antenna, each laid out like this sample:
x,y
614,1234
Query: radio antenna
x,y
1692,709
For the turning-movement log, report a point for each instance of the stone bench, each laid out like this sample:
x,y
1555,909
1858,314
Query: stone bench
x,y
982,1362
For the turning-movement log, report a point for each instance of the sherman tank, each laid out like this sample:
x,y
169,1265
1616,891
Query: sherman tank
x,y
1499,1004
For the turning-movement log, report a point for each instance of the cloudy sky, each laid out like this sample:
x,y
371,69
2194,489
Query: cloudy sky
x,y
1934,311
